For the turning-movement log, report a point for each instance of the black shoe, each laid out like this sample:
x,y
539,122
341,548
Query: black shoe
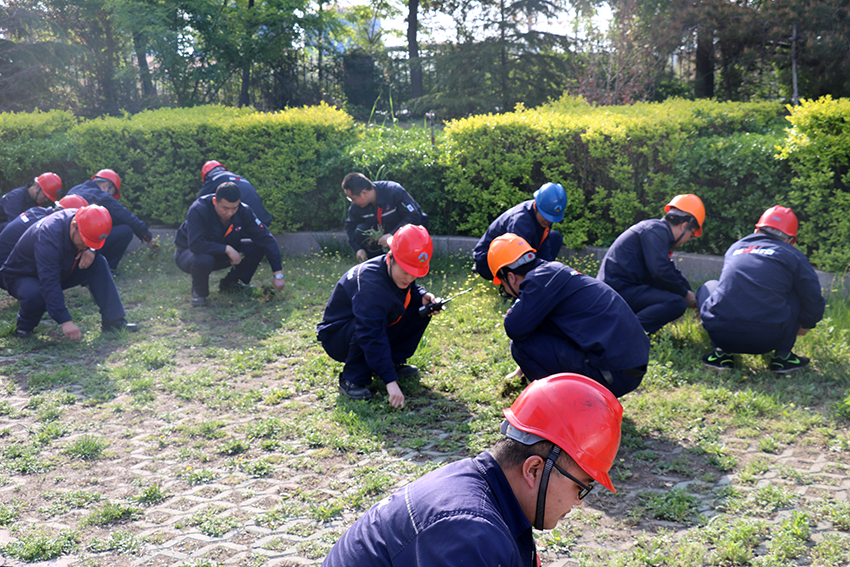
x,y
405,370
198,300
719,360
353,391
788,363
118,325
22,334
234,287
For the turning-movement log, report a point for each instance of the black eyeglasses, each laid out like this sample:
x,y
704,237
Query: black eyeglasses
x,y
585,488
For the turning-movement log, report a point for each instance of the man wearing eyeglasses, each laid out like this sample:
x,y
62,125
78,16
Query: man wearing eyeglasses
x,y
560,436
104,189
639,267
565,321
376,212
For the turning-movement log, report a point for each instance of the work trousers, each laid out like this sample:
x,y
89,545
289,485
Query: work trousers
x,y
116,244
654,307
200,266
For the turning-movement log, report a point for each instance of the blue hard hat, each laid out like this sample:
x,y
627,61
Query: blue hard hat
x,y
551,201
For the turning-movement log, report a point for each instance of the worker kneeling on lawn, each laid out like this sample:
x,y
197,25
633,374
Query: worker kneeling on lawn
x,y
560,436
768,294
565,321
372,322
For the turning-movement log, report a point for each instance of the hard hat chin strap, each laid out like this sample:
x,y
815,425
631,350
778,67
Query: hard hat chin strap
x,y
544,485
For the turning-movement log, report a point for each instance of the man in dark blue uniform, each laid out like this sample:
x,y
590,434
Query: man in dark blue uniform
x,y
532,220
638,264
378,208
214,174
55,254
560,436
104,189
372,322
222,232
564,321
45,188
767,296
16,228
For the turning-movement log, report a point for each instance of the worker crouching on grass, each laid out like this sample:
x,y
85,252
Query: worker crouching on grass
x,y
565,321
768,294
560,436
372,322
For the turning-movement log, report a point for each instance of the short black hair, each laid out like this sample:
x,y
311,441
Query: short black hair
x,y
356,183
510,453
228,191
520,270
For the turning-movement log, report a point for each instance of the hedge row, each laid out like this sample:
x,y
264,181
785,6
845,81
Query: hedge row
x,y
618,164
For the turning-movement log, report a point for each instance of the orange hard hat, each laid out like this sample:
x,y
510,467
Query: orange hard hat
x,y
111,176
780,218
207,167
507,250
72,202
94,223
574,412
50,184
690,204
412,249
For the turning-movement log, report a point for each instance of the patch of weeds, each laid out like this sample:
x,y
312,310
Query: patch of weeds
x,y
111,513
278,396
832,551
201,563
838,512
675,505
207,429
788,542
25,459
271,428
10,512
324,511
735,539
194,477
210,521
61,502
39,544
121,541
276,517
319,547
235,447
558,541
645,455
50,431
150,355
753,469
769,444
259,468
680,465
762,501
150,495
87,447
794,475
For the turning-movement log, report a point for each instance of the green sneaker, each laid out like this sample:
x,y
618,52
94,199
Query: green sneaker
x,y
789,363
719,360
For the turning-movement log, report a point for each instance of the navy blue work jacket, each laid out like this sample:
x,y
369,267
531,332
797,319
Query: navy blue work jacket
x,y
45,251
760,274
520,220
368,294
16,227
249,193
203,232
119,213
393,208
641,256
560,301
14,203
462,514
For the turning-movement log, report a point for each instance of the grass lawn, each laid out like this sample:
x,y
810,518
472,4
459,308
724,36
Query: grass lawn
x,y
217,435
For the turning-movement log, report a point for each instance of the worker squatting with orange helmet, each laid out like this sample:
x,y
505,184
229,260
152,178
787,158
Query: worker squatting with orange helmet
x,y
45,188
372,322
767,295
47,260
560,436
638,264
104,189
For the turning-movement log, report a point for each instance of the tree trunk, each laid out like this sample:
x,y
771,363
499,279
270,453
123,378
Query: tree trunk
x,y
148,90
416,89
244,98
704,80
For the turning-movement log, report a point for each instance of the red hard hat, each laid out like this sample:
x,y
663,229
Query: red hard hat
x,y
50,184
780,218
689,204
113,177
506,250
577,414
209,166
94,223
72,202
412,249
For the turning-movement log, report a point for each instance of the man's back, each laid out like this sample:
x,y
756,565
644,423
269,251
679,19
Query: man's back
x,y
250,196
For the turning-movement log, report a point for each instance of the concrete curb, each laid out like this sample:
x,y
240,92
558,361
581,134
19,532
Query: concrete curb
x,y
697,268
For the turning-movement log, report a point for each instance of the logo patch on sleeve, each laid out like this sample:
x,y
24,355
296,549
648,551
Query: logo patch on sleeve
x,y
410,208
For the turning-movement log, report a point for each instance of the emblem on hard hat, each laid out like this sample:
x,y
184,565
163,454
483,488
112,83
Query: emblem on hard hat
x,y
423,257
